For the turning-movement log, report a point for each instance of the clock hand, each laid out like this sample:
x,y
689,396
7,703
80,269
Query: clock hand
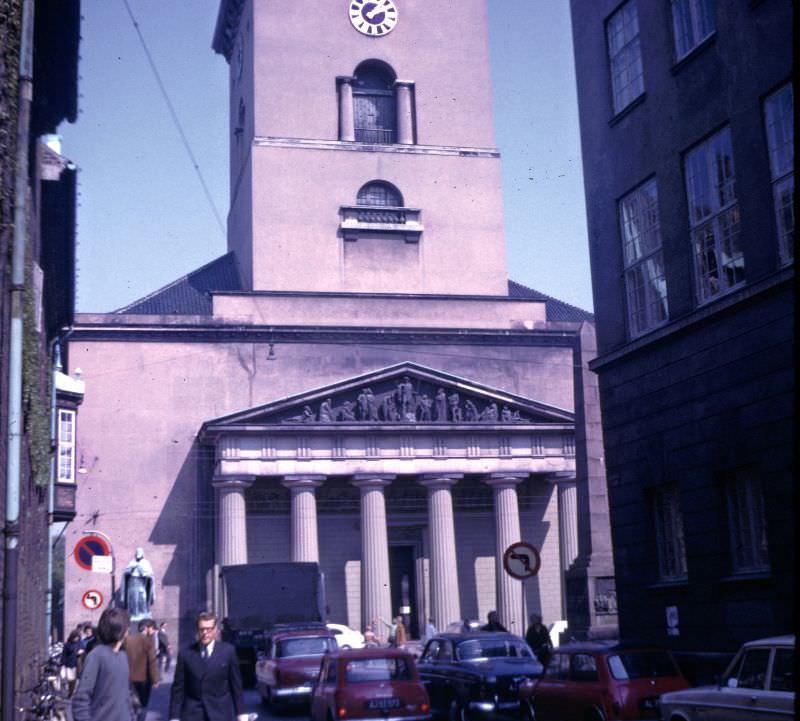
x,y
377,8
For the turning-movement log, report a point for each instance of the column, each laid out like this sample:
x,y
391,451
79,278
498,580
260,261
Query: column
x,y
232,518
376,597
346,121
405,112
507,531
305,544
445,604
568,522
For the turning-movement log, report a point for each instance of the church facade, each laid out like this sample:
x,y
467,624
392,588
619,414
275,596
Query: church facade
x,y
356,382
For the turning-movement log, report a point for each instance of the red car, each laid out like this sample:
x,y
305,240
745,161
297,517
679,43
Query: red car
x,y
369,683
601,682
286,671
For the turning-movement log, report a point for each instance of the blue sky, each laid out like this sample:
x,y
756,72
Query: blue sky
x,y
143,216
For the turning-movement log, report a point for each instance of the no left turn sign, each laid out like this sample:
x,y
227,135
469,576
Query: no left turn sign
x,y
92,599
521,560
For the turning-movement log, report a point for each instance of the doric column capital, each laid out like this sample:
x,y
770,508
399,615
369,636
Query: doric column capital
x,y
303,481
233,482
504,480
404,83
344,79
366,481
561,478
432,481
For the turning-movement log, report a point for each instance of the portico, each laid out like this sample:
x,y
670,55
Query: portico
x,y
404,460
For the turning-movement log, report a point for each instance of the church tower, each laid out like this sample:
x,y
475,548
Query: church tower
x,y
362,151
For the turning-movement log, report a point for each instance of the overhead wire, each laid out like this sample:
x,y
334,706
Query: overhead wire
x,y
176,120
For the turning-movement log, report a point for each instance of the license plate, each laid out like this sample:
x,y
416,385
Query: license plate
x,y
383,703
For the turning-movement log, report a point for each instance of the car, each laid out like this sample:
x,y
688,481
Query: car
x,y
289,664
476,675
758,684
369,683
346,637
463,626
595,681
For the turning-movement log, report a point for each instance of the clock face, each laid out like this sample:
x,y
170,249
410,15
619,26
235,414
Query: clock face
x,y
373,17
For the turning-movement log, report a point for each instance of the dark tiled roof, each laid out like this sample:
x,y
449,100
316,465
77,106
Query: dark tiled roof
x,y
557,310
191,294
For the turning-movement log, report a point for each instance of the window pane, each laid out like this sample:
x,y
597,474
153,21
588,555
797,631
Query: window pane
x,y
379,194
783,670
625,57
753,671
779,112
693,22
669,534
747,525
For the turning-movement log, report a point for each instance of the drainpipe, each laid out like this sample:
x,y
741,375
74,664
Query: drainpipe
x,y
17,290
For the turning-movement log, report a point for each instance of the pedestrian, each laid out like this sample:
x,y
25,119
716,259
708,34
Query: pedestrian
x,y
538,638
369,637
493,623
103,692
143,665
397,631
69,660
207,684
89,639
164,649
430,630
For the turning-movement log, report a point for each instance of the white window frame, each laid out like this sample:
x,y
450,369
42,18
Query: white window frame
x,y
670,543
645,282
66,445
692,22
714,217
747,527
624,56
779,125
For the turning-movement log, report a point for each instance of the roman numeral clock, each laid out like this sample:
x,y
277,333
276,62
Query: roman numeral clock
x,y
373,17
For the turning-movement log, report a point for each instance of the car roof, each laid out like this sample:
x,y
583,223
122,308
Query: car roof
x,y
786,640
609,646
458,637
302,633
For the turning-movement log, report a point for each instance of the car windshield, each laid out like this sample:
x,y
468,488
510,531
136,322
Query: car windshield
x,y
305,646
641,664
377,669
477,648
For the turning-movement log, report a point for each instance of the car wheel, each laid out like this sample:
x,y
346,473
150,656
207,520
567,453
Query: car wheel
x,y
345,647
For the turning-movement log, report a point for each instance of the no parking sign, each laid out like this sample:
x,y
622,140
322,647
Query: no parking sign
x,y
87,548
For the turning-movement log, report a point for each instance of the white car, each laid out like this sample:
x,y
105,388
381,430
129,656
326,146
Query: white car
x,y
346,637
758,685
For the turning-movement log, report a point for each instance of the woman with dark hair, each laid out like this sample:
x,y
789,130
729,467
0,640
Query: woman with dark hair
x,y
69,659
103,692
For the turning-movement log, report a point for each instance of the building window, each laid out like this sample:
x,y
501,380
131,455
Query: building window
x,y
374,104
746,524
669,534
693,22
645,284
625,56
778,114
66,446
714,216
379,194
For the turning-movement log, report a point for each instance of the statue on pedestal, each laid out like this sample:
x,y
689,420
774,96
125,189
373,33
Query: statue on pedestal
x,y
139,587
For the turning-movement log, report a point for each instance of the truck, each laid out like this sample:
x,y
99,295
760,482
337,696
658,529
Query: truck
x,y
257,597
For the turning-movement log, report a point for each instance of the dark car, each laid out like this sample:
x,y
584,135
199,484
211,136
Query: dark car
x,y
367,684
601,682
287,669
476,675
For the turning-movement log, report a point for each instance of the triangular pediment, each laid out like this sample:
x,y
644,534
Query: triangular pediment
x,y
405,393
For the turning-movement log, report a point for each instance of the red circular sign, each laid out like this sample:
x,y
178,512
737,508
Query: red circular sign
x,y
92,599
521,560
90,546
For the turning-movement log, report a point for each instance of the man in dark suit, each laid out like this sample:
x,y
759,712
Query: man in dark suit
x,y
207,684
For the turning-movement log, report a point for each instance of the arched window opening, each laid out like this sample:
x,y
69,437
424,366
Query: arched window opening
x,y
379,194
374,104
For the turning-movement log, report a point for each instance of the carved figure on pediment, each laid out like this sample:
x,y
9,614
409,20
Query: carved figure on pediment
x,y
441,405
505,414
454,402
308,415
425,407
372,405
326,411
363,405
405,393
347,412
389,409
515,417
489,413
471,412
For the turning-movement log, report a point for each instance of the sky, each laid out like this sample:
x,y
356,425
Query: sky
x,y
145,219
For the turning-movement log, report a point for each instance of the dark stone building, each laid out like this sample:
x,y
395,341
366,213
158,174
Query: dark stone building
x,y
38,90
686,120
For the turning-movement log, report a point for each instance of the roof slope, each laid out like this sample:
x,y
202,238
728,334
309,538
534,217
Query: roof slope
x,y
191,294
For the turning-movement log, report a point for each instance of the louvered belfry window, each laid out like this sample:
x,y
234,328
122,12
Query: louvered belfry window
x,y
374,106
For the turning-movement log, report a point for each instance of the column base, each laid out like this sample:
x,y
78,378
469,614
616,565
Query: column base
x,y
591,601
